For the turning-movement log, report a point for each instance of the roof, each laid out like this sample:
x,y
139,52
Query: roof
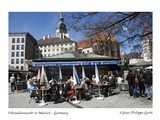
x,y
74,58
77,56
98,38
18,33
11,68
144,63
55,40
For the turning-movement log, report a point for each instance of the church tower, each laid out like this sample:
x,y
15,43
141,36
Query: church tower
x,y
61,30
147,45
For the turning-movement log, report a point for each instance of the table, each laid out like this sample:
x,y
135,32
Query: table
x,y
76,87
43,88
103,86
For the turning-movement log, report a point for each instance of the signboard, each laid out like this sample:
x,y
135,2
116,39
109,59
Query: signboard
x,y
77,63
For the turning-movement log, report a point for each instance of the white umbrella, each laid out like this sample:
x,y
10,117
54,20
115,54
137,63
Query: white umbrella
x,y
60,73
150,67
39,74
43,82
97,80
76,81
83,73
43,78
97,74
60,78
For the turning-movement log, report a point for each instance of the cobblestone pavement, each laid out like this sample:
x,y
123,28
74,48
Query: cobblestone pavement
x,y
122,100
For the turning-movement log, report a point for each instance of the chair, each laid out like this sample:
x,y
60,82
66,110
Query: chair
x,y
114,89
54,93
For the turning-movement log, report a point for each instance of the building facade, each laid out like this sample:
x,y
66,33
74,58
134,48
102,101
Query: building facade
x,y
100,44
60,44
146,45
21,49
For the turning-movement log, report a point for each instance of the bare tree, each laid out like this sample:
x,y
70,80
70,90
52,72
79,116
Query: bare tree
x,y
128,26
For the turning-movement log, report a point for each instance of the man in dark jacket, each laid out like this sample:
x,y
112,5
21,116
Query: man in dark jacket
x,y
130,78
148,83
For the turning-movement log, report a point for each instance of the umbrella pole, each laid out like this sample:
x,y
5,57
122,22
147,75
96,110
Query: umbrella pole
x,y
76,101
100,96
16,87
43,101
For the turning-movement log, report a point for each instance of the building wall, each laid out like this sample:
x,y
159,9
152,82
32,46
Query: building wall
x,y
21,47
107,48
147,49
46,51
87,50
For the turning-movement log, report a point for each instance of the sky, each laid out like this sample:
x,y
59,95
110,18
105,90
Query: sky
x,y
38,24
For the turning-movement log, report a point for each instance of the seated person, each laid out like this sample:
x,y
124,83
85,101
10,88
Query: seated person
x,y
32,89
88,82
54,89
105,79
112,84
82,92
68,91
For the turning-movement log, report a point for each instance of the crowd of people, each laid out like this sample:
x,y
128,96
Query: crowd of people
x,y
140,83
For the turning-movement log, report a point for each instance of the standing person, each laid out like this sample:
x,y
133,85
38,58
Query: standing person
x,y
27,77
130,78
12,81
148,84
141,82
18,78
136,82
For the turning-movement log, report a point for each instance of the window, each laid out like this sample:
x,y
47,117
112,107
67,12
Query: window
x,y
22,47
17,54
17,61
13,54
22,54
18,40
13,47
22,40
12,61
13,40
22,61
17,47
70,48
21,67
37,56
17,67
